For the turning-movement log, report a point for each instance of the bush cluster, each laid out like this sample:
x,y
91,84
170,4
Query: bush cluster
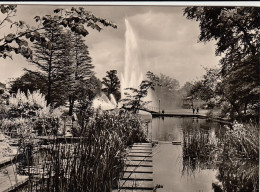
x,y
28,113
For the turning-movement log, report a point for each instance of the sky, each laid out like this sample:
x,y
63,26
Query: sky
x,y
167,42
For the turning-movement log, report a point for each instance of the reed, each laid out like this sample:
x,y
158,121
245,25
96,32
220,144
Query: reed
x,y
198,143
242,142
239,158
235,155
199,149
241,176
93,163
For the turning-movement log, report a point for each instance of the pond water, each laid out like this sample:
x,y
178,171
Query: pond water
x,y
168,164
171,128
177,175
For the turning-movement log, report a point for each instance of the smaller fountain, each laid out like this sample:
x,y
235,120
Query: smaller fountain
x,y
104,103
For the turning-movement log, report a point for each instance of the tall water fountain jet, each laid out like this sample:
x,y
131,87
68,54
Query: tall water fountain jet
x,y
133,72
132,75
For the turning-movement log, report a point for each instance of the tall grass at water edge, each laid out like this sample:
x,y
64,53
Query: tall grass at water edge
x,y
235,155
199,149
239,159
93,164
242,142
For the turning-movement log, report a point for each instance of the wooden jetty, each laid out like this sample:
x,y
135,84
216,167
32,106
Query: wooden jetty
x,y
138,173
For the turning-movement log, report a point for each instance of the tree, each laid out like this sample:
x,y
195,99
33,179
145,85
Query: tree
x,y
4,95
135,101
206,88
89,91
236,31
170,84
49,62
75,19
27,82
8,12
234,28
93,87
165,90
64,66
185,90
112,84
2,88
78,68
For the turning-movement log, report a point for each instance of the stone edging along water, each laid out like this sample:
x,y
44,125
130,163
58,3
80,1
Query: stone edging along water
x,y
177,115
217,119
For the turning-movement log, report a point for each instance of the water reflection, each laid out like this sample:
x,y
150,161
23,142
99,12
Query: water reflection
x,y
170,129
196,165
167,171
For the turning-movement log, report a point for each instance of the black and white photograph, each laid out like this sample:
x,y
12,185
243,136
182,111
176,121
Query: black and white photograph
x,y
129,96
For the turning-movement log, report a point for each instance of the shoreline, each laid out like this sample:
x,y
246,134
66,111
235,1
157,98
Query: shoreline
x,y
215,119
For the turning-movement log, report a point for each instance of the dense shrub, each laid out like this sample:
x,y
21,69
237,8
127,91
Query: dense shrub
x,y
30,113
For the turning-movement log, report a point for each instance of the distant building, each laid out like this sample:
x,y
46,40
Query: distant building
x,y
190,102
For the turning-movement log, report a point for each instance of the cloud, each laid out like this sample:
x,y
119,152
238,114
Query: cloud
x,y
167,41
107,55
181,61
168,44
10,69
162,26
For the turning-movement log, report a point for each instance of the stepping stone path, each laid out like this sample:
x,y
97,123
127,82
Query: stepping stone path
x,y
138,173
